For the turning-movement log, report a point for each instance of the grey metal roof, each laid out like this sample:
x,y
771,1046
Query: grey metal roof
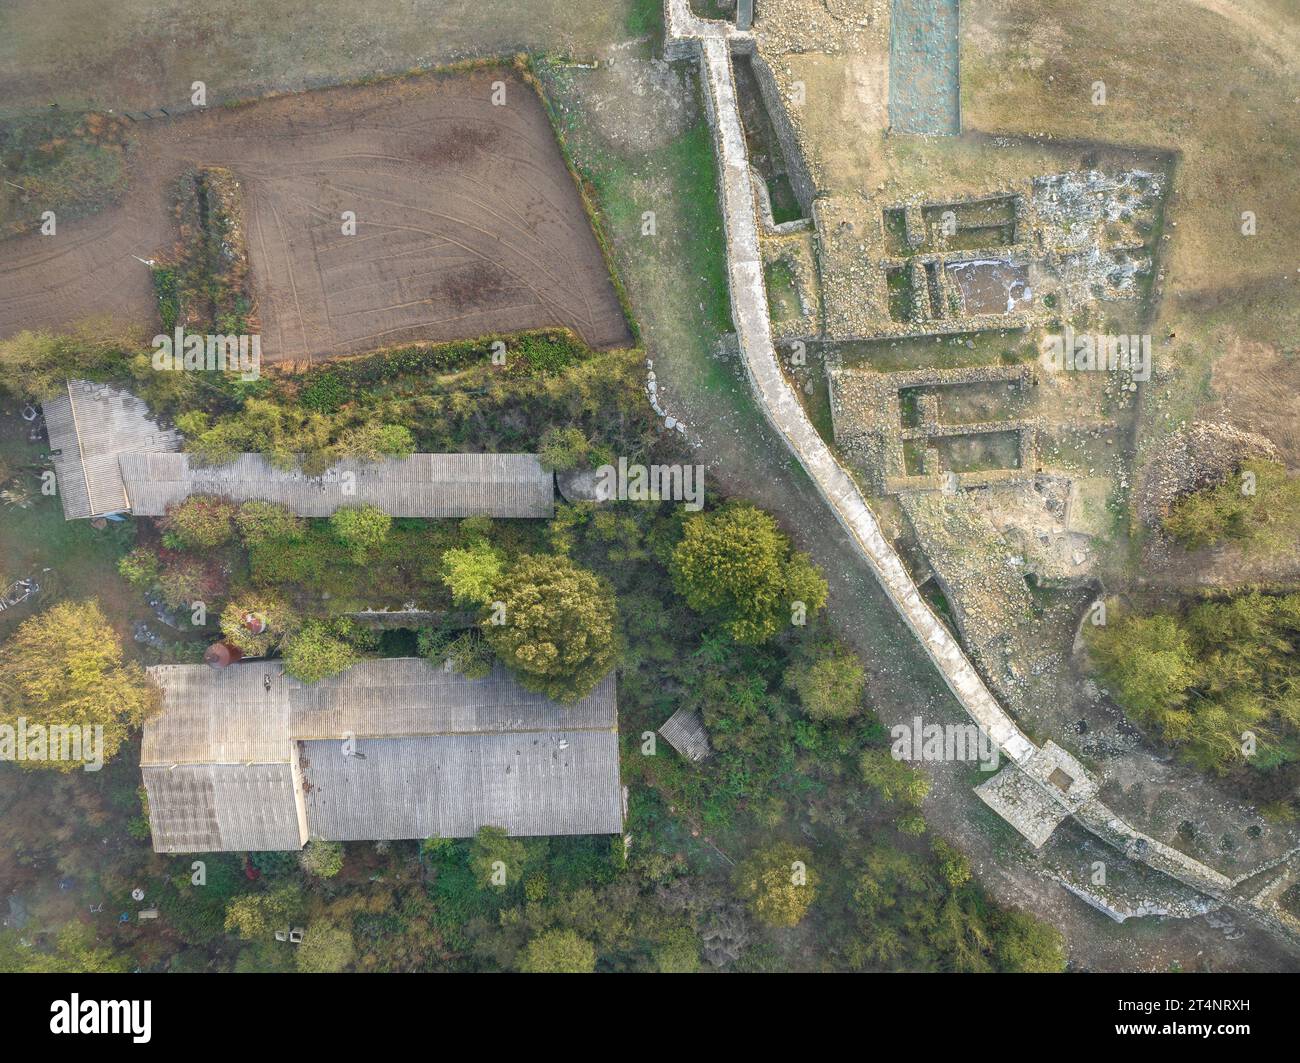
x,y
440,755
684,731
539,782
90,426
205,808
422,485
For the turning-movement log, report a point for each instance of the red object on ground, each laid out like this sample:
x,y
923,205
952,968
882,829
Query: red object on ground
x,y
220,654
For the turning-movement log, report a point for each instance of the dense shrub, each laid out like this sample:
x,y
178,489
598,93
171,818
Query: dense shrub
x,y
472,572
1259,506
559,632
139,568
257,622
736,564
267,522
830,685
361,529
200,522
316,651
563,449
1210,675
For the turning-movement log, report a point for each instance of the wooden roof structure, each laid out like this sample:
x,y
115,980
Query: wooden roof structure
x,y
684,731
422,485
90,427
247,758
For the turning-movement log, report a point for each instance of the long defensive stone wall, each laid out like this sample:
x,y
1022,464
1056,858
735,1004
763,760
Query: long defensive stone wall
x,y
711,42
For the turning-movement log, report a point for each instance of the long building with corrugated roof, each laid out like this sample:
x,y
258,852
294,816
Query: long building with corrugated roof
x,y
247,758
421,485
111,456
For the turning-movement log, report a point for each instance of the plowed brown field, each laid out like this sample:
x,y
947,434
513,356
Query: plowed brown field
x,y
467,222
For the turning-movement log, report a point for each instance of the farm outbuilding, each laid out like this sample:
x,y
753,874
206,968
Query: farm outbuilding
x,y
249,759
434,486
90,427
684,731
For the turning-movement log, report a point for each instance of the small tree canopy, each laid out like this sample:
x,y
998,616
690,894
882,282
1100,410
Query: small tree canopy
x,y
200,522
563,449
472,573
267,522
361,529
322,859
830,686
895,780
496,859
316,651
559,952
325,949
1258,506
257,622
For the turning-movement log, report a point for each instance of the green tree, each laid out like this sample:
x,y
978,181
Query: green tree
x,y
139,568
259,915
361,529
35,365
560,630
895,780
678,953
471,655
1220,679
1258,506
1151,664
64,668
953,865
321,859
472,573
316,651
1025,944
778,884
496,859
374,442
325,949
563,449
559,952
183,581
267,522
830,686
75,952
737,565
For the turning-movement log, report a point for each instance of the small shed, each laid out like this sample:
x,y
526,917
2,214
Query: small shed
x,y
685,732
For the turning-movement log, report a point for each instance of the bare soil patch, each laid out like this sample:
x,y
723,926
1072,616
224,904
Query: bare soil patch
x,y
467,222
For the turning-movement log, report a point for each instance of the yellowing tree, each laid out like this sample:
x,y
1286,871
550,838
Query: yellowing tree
x,y
64,667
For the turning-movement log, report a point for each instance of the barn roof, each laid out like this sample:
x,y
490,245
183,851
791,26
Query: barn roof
x,y
422,485
90,427
247,758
